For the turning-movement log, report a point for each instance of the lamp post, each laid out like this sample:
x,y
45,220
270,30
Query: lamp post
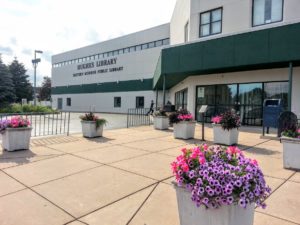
x,y
35,62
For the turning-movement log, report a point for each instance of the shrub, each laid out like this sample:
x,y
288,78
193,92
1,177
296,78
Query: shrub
x,y
18,108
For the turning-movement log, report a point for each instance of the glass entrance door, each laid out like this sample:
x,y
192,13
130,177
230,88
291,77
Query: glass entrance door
x,y
245,99
219,98
249,103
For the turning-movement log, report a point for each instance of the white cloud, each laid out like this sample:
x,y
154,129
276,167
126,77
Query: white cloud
x,y
56,26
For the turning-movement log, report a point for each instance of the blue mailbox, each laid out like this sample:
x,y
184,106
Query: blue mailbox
x,y
272,109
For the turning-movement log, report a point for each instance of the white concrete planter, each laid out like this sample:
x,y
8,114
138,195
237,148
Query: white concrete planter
x,y
291,152
161,122
225,137
190,214
16,138
89,129
184,129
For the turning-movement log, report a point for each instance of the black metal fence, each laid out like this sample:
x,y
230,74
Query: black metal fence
x,y
138,117
44,124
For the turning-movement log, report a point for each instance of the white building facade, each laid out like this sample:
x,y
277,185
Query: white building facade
x,y
110,76
227,54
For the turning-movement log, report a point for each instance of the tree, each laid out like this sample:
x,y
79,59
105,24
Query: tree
x,y
7,91
23,88
45,91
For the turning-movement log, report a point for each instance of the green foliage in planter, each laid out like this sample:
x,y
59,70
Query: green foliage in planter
x,y
230,120
160,112
292,132
92,117
174,117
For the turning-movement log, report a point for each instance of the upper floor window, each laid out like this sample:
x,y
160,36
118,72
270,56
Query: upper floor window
x,y
166,41
267,11
186,32
211,22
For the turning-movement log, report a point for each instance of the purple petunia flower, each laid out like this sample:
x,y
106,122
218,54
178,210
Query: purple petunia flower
x,y
219,180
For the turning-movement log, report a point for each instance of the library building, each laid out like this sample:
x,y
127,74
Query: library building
x,y
224,54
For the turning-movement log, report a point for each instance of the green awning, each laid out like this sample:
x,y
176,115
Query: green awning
x,y
263,49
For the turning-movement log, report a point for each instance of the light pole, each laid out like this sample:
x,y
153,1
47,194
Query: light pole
x,y
35,62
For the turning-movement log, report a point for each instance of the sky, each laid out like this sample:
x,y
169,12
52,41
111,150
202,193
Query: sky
x,y
56,26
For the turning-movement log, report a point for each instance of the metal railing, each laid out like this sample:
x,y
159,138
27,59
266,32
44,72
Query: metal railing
x,y
44,124
138,117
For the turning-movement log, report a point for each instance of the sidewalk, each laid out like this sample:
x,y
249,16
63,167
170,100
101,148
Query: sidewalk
x,y
123,178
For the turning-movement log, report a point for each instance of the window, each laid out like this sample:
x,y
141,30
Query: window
x,y
181,99
117,102
186,32
120,51
139,102
211,22
267,11
68,101
132,49
126,50
144,46
158,43
151,45
138,48
166,41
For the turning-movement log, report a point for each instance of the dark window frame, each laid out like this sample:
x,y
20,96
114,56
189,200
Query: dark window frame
x,y
116,105
136,102
263,24
210,22
183,104
68,102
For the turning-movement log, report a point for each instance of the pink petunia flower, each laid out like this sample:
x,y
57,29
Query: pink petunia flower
x,y
216,119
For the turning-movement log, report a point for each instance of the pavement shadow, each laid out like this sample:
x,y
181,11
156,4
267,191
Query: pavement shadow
x,y
100,139
18,157
262,151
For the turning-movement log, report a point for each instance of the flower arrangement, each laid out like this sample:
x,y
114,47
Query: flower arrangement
x,y
14,122
92,117
160,112
180,115
228,120
218,176
292,133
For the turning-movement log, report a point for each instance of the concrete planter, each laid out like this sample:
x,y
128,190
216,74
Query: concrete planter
x,y
184,129
190,214
291,152
225,137
16,138
89,129
161,122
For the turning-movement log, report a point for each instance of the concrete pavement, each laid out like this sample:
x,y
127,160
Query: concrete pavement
x,y
122,178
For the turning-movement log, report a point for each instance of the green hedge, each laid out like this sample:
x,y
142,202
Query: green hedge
x,y
18,108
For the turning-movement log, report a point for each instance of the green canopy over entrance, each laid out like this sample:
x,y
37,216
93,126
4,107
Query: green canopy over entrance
x,y
263,49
